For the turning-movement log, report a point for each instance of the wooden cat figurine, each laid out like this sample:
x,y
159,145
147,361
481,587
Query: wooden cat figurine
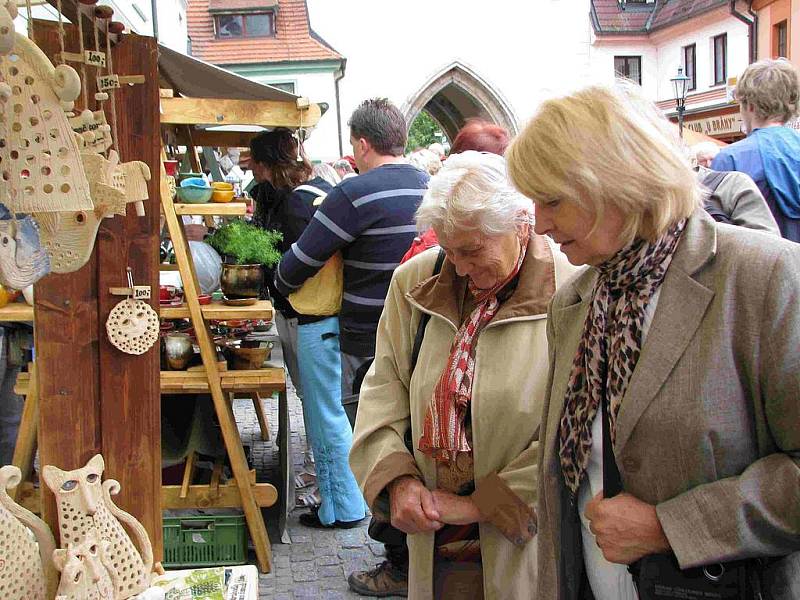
x,y
85,509
26,547
87,572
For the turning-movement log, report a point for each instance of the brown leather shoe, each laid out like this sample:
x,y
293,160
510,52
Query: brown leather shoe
x,y
382,581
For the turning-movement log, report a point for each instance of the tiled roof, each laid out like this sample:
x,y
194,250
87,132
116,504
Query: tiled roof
x,y
615,17
294,39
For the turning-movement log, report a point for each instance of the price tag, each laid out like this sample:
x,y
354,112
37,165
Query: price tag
x,y
108,82
141,292
96,59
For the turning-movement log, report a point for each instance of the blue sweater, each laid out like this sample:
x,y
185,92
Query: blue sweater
x,y
771,156
370,218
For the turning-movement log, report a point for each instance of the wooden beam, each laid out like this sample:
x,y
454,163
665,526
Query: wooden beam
x,y
227,139
208,111
226,496
25,448
67,349
129,385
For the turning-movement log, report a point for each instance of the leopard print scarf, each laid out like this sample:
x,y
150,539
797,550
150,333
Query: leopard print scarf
x,y
611,344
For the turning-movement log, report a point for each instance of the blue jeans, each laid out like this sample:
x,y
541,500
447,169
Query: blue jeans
x,y
329,430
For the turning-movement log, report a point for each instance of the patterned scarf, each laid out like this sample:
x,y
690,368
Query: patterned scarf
x,y
611,344
443,432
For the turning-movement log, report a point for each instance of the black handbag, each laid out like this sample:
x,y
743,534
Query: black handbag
x,y
659,577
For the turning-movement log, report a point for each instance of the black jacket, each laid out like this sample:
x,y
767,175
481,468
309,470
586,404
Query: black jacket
x,y
289,212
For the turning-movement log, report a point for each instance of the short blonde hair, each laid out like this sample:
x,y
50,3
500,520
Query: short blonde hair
x,y
607,146
472,191
771,88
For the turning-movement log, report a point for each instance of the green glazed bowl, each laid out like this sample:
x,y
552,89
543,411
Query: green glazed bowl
x,y
194,194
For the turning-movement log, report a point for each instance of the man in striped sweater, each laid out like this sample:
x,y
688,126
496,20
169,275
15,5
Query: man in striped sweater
x,y
370,219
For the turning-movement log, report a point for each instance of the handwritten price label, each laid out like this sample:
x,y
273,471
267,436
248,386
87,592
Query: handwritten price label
x,y
108,82
96,59
141,292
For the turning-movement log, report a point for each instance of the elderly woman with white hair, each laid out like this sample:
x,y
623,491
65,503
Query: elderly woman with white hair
x,y
446,437
670,437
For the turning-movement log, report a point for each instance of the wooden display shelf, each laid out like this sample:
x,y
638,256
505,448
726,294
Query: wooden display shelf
x,y
16,311
221,312
263,381
212,209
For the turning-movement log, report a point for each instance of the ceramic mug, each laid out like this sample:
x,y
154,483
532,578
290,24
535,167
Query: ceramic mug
x,y
166,292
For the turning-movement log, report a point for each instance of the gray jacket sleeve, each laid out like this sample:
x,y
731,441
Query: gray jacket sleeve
x,y
742,201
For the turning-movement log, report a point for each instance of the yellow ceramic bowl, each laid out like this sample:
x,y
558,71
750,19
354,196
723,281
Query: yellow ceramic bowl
x,y
222,186
222,196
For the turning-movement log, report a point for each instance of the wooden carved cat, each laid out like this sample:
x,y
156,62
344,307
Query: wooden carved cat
x,y
85,509
26,547
87,572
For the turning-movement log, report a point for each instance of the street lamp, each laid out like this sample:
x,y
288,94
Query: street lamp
x,y
680,84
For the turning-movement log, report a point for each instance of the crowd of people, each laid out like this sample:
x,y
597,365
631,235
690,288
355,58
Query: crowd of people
x,y
563,365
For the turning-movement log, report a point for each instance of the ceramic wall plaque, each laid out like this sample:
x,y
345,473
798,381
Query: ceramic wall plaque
x,y
23,260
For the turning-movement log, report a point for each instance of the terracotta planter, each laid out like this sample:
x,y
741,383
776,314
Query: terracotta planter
x,y
242,281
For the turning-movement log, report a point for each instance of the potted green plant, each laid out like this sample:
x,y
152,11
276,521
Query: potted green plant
x,y
244,249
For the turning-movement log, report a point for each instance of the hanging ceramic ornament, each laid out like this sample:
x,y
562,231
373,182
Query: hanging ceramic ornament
x,y
69,237
23,260
26,547
40,166
132,326
94,130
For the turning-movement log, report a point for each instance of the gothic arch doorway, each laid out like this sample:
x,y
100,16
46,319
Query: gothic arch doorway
x,y
456,94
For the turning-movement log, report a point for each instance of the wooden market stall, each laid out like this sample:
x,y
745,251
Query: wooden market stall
x,y
84,396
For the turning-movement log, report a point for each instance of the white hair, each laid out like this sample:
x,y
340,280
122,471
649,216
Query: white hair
x,y
425,160
705,150
472,191
327,172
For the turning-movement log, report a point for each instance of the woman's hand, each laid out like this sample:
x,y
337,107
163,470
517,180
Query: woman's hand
x,y
625,528
456,510
412,505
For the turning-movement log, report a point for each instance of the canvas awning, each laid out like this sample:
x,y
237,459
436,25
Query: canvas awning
x,y
236,6
195,78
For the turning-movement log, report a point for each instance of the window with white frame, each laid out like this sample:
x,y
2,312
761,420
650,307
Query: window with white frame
x,y
690,66
720,52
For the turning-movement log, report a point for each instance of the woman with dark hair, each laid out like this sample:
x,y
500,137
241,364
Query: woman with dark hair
x,y
286,198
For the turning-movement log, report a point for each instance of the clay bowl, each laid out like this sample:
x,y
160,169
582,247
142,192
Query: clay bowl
x,y
222,196
248,359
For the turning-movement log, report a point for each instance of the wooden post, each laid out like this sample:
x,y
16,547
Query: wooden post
x,y
94,398
130,389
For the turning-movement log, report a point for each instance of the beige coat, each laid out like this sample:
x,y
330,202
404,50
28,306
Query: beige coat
x,y
709,428
510,379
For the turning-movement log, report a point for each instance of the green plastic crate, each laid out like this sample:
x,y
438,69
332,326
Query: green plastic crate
x,y
204,538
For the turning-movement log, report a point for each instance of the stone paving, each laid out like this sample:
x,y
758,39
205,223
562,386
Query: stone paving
x,y
317,562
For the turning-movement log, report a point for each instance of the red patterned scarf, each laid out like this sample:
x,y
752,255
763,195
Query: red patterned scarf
x,y
443,432
612,341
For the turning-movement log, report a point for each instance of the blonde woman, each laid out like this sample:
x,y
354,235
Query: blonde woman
x,y
687,330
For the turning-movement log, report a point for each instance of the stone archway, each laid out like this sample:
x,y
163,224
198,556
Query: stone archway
x,y
455,94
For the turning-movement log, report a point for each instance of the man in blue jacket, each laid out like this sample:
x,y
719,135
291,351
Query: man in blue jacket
x,y
768,93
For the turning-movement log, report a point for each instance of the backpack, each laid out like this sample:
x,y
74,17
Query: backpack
x,y
320,295
712,203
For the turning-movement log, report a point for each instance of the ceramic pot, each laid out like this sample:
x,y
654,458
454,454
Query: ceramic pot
x,y
242,281
247,359
178,350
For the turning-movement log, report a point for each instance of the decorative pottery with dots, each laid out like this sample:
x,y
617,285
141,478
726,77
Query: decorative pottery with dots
x,y
40,165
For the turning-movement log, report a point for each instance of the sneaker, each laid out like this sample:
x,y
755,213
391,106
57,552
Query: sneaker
x,y
382,581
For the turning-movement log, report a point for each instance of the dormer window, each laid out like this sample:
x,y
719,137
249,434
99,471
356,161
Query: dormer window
x,y
243,18
244,25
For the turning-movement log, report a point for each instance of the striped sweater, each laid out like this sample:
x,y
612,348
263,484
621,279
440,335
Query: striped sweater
x,y
370,218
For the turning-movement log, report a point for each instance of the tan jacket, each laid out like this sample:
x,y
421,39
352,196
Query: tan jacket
x,y
709,428
510,379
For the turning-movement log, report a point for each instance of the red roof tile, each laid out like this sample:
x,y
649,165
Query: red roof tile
x,y
615,17
294,39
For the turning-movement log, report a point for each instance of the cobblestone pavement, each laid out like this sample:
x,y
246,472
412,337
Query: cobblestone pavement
x,y
317,562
